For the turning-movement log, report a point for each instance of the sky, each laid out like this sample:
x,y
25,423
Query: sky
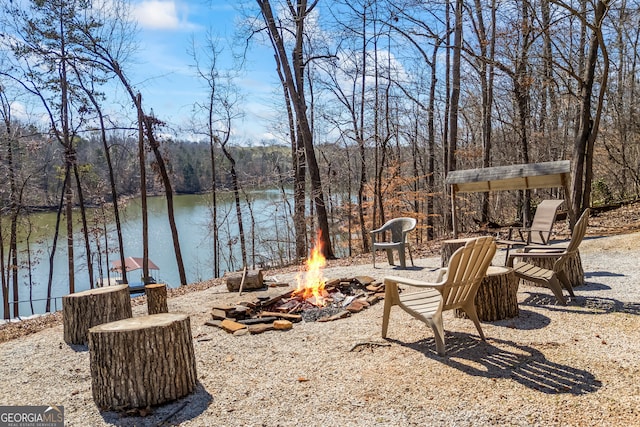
x,y
164,69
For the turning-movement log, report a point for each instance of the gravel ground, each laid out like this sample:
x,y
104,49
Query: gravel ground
x,y
552,365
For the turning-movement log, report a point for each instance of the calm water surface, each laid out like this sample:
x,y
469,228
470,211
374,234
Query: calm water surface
x,y
193,219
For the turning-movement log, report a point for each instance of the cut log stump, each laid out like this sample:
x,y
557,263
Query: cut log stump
x,y
449,247
253,280
141,361
497,296
83,310
156,298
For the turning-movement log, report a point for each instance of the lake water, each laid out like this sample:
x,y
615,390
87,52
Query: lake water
x,y
193,220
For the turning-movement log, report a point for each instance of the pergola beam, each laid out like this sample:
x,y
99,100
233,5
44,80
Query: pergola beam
x,y
512,177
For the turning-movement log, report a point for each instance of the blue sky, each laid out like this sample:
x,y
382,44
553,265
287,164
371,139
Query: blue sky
x,y
163,69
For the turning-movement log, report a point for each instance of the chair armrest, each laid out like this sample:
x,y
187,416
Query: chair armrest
x,y
556,247
380,230
510,242
394,280
539,255
525,231
541,249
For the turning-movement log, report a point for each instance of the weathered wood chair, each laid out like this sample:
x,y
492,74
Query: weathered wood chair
x,y
556,277
456,287
540,231
398,229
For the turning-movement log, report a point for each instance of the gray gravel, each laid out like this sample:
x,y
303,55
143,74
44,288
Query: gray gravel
x,y
552,365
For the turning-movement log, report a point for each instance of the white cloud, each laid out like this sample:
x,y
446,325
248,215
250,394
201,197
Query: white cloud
x,y
162,15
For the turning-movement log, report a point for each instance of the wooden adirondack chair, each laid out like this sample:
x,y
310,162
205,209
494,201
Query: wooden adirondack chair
x,y
556,277
456,287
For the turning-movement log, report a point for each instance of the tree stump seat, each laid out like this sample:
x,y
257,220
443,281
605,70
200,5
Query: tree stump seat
x,y
141,361
156,298
449,247
83,310
497,296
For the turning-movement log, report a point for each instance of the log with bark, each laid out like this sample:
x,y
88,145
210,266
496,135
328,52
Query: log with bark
x,y
449,247
141,361
156,298
497,296
83,310
253,280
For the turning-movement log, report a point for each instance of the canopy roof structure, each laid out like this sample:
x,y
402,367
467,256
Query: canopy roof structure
x,y
512,177
132,263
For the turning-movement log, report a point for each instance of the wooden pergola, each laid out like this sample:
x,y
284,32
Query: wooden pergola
x,y
513,177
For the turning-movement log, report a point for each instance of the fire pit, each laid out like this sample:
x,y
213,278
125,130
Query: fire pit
x,y
314,299
340,298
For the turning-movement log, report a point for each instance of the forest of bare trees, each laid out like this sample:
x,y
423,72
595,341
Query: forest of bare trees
x,y
377,100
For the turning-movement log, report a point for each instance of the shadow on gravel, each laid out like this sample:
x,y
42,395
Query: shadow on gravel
x,y
593,305
590,274
169,414
79,348
526,320
506,359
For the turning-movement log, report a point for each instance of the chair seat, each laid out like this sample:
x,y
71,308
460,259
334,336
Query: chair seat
x,y
532,272
388,245
424,302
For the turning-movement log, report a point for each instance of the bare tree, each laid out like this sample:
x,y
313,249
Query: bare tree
x,y
293,71
589,120
106,50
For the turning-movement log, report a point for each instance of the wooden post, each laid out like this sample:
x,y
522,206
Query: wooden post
x,y
454,221
156,298
141,361
83,310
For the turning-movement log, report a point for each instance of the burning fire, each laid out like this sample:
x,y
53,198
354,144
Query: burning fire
x,y
311,283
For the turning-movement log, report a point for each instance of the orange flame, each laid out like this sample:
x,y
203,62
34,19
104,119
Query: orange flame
x,y
311,283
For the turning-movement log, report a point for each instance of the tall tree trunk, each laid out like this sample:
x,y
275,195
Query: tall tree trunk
x,y
236,193
431,143
54,243
142,162
149,123
85,226
166,181
521,93
455,96
486,83
581,167
362,181
294,78
214,188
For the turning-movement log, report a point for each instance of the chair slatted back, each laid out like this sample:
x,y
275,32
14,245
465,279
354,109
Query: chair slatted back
x,y
577,234
467,267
